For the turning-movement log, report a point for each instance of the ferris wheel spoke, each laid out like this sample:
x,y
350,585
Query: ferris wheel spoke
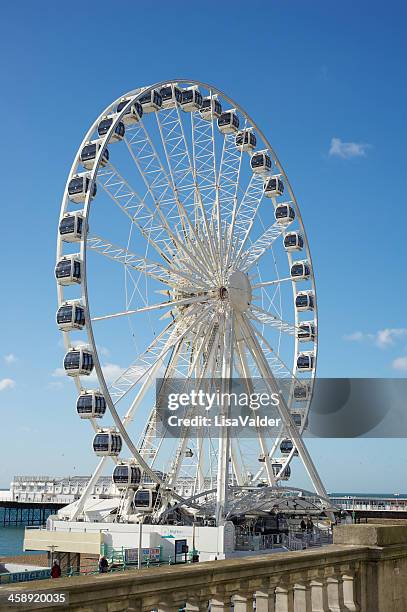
x,y
169,304
154,226
205,176
149,165
143,365
137,210
253,254
229,175
177,155
184,434
180,169
245,214
271,355
169,276
157,351
264,317
160,187
277,281
157,271
147,447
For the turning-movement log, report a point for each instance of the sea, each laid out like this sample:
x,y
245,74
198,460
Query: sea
x,y
11,538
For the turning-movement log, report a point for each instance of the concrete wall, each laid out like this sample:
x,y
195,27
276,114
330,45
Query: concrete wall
x,y
384,574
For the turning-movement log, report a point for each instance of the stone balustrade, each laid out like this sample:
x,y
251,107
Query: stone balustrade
x,y
365,570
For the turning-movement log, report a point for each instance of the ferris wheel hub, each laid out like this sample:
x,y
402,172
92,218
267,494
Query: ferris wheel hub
x,y
239,291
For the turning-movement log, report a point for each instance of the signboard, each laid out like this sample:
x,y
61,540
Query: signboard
x,y
181,550
148,555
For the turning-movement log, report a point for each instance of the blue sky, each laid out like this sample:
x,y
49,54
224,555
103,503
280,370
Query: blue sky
x,y
325,81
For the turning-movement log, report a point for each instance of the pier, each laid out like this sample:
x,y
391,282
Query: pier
x,y
16,513
32,499
371,507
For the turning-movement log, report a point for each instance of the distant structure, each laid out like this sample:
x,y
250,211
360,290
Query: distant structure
x,y
60,490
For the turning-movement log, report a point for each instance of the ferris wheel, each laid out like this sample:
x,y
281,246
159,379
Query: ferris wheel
x,y
182,255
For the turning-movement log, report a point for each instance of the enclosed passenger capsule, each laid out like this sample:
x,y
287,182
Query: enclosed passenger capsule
x,y
245,140
300,270
144,499
302,392
304,300
191,99
133,114
297,418
277,467
69,270
228,122
71,315
284,214
91,405
293,241
306,361
273,187
107,443
151,101
70,227
79,186
118,132
126,475
89,153
211,108
306,331
170,95
78,361
260,162
287,446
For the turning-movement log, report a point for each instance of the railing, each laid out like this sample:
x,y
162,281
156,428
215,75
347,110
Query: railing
x,y
283,582
364,571
258,542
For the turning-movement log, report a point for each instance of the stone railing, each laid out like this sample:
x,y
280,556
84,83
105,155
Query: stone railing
x,y
365,570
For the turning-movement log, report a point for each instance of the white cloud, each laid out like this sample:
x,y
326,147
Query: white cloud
x,y
111,371
383,338
58,372
55,384
354,337
10,358
7,383
347,150
400,364
387,337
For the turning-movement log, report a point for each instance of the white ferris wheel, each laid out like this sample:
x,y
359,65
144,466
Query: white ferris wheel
x,y
181,248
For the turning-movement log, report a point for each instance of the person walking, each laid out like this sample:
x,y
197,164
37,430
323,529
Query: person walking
x,y
303,525
103,565
55,570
